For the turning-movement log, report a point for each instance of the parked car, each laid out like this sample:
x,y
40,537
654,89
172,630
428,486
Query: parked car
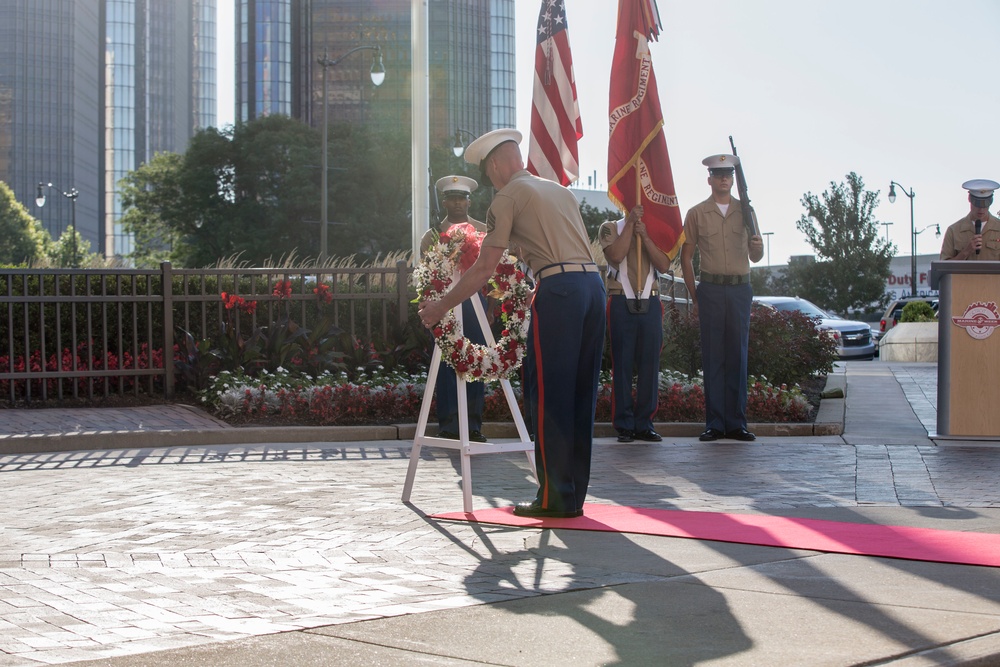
x,y
854,339
895,311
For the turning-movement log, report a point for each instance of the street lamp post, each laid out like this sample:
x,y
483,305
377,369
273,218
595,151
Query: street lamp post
x,y
768,235
913,233
378,76
886,225
459,146
70,194
937,233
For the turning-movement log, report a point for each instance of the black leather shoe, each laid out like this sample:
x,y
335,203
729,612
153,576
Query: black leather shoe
x,y
448,435
709,435
476,436
649,435
741,434
625,435
533,509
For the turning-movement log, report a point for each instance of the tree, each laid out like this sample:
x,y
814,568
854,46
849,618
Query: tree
x,y
245,191
23,240
853,262
594,217
64,252
370,192
254,190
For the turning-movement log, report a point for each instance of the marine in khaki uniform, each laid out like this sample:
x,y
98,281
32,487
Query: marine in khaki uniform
x,y
455,194
962,240
635,324
723,298
566,335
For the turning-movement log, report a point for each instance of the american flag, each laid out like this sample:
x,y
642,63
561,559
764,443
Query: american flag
x,y
555,113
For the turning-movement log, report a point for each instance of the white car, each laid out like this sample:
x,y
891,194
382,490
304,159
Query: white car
x,y
854,339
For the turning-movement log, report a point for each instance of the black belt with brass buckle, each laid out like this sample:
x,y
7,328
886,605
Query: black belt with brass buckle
x,y
566,267
722,279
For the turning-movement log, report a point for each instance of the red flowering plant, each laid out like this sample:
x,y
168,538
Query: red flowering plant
x,y
286,343
455,251
86,357
234,349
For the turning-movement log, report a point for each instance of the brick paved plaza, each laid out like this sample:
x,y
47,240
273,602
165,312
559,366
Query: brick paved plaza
x,y
110,553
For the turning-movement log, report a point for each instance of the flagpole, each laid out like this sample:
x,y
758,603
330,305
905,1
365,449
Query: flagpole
x,y
638,241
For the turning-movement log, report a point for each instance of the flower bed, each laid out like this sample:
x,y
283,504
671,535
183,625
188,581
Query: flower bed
x,y
378,397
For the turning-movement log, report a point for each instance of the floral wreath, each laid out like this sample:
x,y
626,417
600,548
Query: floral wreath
x,y
457,250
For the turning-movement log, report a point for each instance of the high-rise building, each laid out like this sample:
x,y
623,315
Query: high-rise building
x,y
471,54
91,90
159,68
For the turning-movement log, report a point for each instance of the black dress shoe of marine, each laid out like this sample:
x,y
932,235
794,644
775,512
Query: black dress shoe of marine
x,y
448,435
710,434
741,434
476,436
625,435
534,509
649,435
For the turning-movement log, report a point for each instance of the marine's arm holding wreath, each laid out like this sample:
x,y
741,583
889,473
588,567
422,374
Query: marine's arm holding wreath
x,y
432,312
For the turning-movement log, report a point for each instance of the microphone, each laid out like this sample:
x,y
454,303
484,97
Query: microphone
x,y
979,230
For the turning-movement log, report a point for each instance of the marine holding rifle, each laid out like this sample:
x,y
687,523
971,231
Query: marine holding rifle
x,y
728,240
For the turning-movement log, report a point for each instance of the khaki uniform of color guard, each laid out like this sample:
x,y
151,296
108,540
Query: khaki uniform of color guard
x,y
724,301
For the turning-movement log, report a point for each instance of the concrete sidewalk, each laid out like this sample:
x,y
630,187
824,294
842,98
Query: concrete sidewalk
x,y
302,554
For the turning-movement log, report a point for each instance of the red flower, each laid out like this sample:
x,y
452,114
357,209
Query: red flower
x,y
323,292
283,289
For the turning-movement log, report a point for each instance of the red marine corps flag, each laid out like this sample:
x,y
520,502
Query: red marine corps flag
x,y
638,163
555,114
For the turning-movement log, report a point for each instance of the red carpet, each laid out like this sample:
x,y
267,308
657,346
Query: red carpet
x,y
945,546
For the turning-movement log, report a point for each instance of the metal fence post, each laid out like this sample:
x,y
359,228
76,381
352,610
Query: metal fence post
x,y
403,292
167,286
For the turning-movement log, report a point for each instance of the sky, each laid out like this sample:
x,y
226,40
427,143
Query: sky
x,y
894,90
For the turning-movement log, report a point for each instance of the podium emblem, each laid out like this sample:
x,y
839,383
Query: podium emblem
x,y
979,320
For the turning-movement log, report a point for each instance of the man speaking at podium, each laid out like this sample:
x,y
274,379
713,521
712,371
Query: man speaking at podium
x,y
977,235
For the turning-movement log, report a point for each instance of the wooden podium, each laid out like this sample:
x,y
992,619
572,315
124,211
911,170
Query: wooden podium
x,y
968,391
468,449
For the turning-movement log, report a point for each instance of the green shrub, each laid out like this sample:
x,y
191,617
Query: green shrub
x,y
681,343
784,347
917,311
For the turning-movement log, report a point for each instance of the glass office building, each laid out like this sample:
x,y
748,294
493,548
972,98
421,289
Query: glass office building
x,y
159,65
91,90
471,68
50,110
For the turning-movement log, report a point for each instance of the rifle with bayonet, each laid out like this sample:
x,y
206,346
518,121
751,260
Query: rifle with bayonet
x,y
749,216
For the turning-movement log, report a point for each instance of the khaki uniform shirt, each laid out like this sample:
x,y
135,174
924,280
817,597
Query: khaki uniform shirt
x,y
431,235
608,234
542,218
958,235
723,242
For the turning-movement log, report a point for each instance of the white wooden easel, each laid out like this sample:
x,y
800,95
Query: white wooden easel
x,y
467,449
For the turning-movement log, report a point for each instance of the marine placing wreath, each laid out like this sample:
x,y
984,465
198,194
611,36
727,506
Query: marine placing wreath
x,y
457,250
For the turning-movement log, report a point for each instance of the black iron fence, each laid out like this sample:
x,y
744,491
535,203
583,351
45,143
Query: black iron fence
x,y
90,333
96,332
